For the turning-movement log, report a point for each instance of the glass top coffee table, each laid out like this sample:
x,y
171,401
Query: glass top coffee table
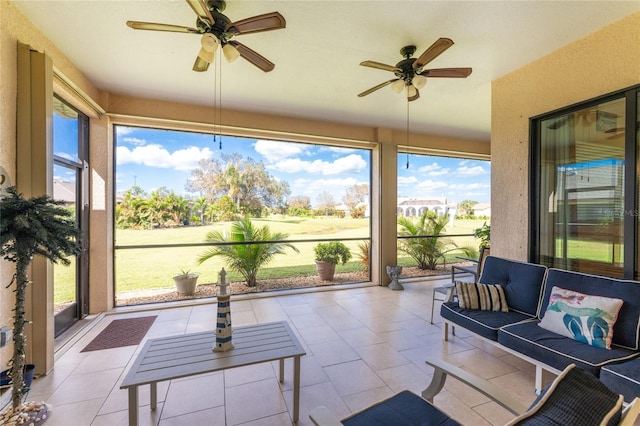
x,y
185,355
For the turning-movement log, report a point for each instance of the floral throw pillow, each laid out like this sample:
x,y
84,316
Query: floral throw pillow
x,y
582,317
486,297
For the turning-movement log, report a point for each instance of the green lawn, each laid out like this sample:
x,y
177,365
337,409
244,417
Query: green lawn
x,y
154,268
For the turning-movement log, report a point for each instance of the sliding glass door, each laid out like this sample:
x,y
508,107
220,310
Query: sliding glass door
x,y
70,145
583,171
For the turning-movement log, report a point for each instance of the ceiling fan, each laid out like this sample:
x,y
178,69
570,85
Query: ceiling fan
x,y
216,29
619,132
410,73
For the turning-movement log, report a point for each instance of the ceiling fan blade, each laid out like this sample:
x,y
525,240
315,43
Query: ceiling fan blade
x,y
380,66
447,72
414,97
201,9
621,129
433,52
254,57
137,25
266,22
200,65
379,86
558,123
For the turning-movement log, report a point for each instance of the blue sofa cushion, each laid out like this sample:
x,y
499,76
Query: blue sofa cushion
x,y
483,323
558,351
623,378
522,282
405,408
626,331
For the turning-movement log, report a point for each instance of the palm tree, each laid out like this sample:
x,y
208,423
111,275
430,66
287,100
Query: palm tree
x,y
200,206
29,227
427,251
243,258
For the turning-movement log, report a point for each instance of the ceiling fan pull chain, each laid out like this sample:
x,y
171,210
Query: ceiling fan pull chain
x,y
220,103
408,102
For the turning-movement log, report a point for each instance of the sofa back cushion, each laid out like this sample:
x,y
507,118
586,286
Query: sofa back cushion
x,y
522,282
626,331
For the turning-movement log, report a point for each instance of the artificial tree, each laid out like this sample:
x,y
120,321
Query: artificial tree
x,y
29,227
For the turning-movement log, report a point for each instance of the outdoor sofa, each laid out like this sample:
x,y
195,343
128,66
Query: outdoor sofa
x,y
533,292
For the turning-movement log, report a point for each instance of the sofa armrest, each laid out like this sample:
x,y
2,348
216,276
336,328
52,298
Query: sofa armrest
x,y
444,369
322,416
468,259
630,413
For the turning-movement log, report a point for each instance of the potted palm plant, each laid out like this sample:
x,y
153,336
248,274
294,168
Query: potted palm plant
x,y
328,255
31,227
484,234
186,281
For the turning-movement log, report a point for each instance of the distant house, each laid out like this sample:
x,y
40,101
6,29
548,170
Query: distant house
x,y
482,209
417,207
64,191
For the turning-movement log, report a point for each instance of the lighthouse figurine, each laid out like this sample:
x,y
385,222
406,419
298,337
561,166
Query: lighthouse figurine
x,y
223,321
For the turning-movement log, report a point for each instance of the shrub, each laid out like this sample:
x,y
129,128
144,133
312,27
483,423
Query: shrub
x,y
364,255
333,252
429,250
246,259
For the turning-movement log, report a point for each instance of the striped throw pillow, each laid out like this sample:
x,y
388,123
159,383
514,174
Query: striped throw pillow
x,y
486,297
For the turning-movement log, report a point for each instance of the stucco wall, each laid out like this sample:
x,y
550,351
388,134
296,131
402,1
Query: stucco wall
x,y
16,28
603,62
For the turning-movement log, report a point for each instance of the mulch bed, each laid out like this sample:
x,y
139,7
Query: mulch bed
x,y
204,290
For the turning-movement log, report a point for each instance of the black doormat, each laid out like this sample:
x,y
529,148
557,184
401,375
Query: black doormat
x,y
121,332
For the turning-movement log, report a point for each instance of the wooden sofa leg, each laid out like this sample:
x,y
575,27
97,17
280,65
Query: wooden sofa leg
x,y
445,331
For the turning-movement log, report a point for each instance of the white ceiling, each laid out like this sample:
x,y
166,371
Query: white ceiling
x,y
317,55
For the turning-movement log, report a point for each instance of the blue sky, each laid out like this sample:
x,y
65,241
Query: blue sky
x,y
152,158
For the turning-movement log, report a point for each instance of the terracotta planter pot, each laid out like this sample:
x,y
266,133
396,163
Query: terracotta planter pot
x,y
186,285
325,270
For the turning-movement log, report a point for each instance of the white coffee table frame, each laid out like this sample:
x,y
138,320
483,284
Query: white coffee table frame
x,y
185,355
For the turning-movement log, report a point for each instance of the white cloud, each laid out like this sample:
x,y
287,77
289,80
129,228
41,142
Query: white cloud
x,y
429,168
471,171
120,130
349,164
473,194
66,155
157,156
468,186
133,141
337,149
409,180
313,187
439,172
277,151
431,185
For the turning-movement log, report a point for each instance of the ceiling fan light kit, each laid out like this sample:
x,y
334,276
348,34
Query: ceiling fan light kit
x,y
230,52
419,81
411,91
209,45
217,30
409,72
398,86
